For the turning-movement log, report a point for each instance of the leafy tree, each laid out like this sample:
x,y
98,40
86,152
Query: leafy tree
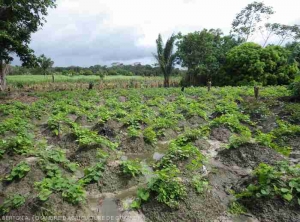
x,y
165,57
246,22
278,69
294,48
250,64
203,53
23,19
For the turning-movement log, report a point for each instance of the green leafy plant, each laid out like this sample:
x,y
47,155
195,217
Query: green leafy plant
x,y
131,167
199,184
270,181
237,140
133,131
18,171
20,144
168,187
92,174
71,191
12,202
236,208
142,196
87,137
177,152
150,135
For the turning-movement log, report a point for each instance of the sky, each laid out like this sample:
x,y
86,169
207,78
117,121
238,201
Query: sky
x,y
90,32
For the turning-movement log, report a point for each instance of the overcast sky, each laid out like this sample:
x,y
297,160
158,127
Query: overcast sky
x,y
89,32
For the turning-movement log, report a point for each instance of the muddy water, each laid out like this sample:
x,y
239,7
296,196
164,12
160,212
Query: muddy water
x,y
159,151
105,205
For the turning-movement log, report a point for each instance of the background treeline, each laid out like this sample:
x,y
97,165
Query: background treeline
x,y
228,60
124,70
234,59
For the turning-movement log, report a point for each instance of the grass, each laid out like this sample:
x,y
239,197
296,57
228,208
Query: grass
x,y
34,79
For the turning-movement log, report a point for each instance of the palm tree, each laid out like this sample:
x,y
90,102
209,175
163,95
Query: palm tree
x,y
45,64
165,57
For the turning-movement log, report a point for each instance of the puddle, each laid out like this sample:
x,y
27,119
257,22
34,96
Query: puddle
x,y
109,209
159,151
157,156
78,174
103,207
147,171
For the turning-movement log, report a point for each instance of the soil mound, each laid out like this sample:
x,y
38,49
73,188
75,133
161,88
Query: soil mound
x,y
275,210
249,156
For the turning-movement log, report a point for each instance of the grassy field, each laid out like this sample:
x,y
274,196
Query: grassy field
x,y
35,79
193,155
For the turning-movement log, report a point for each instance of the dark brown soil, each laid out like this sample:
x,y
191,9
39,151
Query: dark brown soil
x,y
273,210
21,97
204,207
221,133
249,156
135,145
113,180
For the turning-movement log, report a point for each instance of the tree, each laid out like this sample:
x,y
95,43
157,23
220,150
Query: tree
x,y
246,22
249,64
19,19
45,64
165,57
286,32
203,53
268,30
294,49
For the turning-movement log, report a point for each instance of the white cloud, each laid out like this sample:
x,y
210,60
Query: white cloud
x,y
87,32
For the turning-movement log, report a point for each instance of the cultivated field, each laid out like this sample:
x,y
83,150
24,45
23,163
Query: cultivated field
x,y
151,154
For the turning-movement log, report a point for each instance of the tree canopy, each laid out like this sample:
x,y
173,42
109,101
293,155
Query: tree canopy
x,y
250,63
203,53
15,33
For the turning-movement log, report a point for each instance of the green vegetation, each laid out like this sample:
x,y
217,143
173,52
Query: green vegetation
x,y
271,181
63,139
199,184
236,209
165,57
12,202
70,191
18,172
131,167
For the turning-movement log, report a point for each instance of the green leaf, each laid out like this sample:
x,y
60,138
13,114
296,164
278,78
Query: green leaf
x,y
288,197
44,194
284,190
